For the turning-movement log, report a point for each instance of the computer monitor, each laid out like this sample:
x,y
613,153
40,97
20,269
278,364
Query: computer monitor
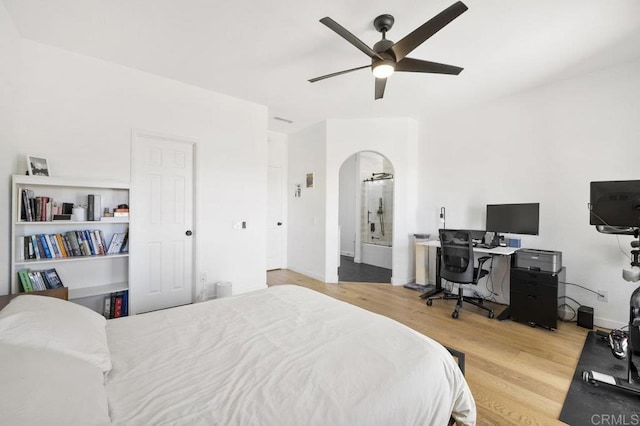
x,y
615,203
513,218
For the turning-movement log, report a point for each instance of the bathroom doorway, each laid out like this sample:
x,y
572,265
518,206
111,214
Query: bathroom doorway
x,y
366,218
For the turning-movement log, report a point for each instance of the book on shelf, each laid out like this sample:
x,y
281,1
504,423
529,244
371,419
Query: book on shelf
x,y
42,243
52,278
61,246
26,213
23,275
88,238
36,247
70,244
107,307
124,247
116,305
90,207
94,207
119,243
42,208
39,280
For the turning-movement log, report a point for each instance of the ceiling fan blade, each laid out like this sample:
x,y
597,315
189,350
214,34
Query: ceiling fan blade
x,y
426,30
313,80
345,34
380,85
417,65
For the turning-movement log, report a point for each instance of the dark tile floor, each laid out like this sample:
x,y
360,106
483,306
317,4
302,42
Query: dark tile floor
x,y
361,272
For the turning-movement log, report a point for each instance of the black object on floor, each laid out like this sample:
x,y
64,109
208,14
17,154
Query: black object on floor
x,y
504,314
361,272
587,404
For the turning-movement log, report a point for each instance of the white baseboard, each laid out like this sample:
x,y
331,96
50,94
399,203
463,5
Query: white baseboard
x,y
402,281
307,273
347,253
608,323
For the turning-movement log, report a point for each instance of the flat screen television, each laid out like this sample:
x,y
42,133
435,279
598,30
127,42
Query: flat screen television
x,y
615,203
521,218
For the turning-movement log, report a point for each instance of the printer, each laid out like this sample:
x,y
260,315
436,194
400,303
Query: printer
x,y
539,260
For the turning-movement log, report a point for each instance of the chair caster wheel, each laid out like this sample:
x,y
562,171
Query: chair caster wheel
x,y
455,314
429,302
491,315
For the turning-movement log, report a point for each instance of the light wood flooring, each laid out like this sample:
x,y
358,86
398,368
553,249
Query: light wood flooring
x,y
518,374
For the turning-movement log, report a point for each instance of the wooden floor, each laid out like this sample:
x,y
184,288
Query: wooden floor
x,y
517,374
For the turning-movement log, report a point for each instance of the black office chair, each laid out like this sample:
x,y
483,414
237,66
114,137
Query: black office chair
x,y
457,266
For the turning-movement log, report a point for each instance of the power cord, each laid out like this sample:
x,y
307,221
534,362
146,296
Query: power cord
x,y
581,286
571,308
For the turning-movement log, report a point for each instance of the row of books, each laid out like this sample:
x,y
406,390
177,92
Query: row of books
x,y
116,305
40,208
39,280
71,243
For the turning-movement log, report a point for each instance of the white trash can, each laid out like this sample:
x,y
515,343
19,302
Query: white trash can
x,y
223,289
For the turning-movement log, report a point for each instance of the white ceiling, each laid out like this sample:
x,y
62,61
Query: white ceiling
x,y
265,51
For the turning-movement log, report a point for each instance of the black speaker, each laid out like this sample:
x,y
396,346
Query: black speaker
x,y
585,317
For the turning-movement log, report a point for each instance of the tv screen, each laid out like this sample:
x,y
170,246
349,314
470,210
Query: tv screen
x,y
513,218
615,203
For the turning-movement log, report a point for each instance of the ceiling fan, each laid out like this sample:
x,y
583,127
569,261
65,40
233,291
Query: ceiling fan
x,y
387,56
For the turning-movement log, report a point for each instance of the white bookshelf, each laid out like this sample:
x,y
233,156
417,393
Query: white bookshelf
x,y
85,276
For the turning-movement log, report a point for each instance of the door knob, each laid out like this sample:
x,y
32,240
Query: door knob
x,y
279,224
188,233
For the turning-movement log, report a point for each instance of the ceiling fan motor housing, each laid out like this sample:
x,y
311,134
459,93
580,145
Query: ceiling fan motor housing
x,y
383,23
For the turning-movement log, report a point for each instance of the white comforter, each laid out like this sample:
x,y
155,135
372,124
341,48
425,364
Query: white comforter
x,y
281,356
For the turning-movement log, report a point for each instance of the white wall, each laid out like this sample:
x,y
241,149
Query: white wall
x,y
396,139
314,240
78,112
9,91
307,214
349,192
543,146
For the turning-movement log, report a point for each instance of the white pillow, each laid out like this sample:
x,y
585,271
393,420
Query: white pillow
x,y
42,387
48,323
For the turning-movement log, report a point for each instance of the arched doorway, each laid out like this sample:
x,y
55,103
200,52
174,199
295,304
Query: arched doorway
x,y
366,188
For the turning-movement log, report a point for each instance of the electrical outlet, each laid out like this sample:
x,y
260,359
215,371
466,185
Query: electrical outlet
x,y
605,296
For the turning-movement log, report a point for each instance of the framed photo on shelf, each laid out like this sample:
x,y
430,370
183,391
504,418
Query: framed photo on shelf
x,y
37,166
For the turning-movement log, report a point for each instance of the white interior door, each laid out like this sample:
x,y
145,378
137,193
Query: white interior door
x,y
161,247
275,228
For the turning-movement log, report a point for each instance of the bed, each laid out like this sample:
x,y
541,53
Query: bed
x,y
285,355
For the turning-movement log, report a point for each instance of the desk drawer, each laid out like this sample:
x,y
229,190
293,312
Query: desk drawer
x,y
536,277
538,310
533,289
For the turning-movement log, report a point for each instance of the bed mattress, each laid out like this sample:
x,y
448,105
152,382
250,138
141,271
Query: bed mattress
x,y
280,356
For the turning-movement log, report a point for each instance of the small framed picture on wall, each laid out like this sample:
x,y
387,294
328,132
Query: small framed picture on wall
x,y
37,166
309,180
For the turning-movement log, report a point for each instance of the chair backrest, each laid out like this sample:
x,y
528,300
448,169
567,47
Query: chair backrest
x,y
456,256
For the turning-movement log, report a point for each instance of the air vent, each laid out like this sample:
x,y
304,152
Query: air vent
x,y
283,119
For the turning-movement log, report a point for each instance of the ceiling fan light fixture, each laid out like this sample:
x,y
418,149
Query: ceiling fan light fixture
x,y
383,68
